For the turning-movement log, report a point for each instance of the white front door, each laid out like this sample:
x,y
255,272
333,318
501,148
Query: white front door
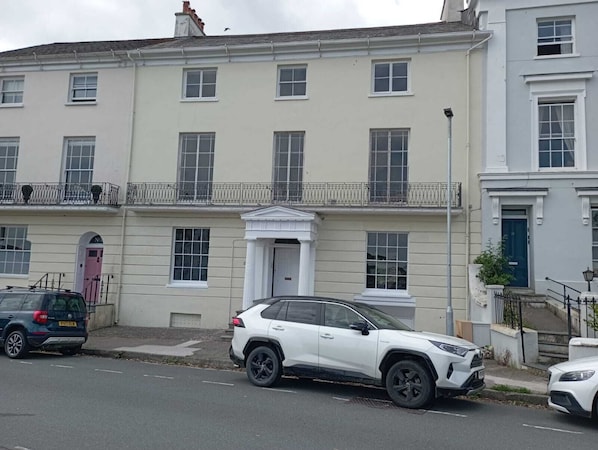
x,y
285,279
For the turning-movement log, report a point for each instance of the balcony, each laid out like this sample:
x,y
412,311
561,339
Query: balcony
x,y
59,195
316,196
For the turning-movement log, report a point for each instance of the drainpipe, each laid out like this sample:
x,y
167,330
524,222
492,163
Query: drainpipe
x,y
123,224
467,169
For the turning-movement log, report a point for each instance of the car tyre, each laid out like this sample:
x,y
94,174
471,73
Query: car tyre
x,y
409,384
263,367
70,351
15,345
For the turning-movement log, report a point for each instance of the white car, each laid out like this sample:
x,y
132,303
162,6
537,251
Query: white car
x,y
330,339
573,387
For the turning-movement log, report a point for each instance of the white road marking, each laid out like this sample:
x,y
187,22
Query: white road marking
x,y
160,376
446,413
341,399
21,448
107,371
188,344
280,390
25,362
538,427
60,366
217,382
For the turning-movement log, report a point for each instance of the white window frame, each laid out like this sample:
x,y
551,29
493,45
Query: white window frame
x,y
7,172
400,235
554,38
202,84
293,82
12,235
174,253
77,190
6,92
390,90
87,87
559,88
594,225
196,186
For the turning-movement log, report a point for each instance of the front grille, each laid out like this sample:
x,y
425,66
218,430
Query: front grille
x,y
477,360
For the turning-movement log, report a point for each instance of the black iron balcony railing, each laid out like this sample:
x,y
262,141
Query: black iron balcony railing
x,y
399,195
47,194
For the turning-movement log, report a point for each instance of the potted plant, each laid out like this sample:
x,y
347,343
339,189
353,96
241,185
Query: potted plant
x,y
96,190
26,190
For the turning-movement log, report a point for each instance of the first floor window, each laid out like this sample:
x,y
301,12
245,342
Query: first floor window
x,y
288,166
11,90
389,165
15,250
196,166
556,134
595,240
78,172
190,254
386,263
9,151
200,83
390,77
84,87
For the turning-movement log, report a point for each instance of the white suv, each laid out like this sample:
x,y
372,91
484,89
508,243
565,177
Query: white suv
x,y
330,339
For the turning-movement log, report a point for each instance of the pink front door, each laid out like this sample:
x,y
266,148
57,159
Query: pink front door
x,y
93,273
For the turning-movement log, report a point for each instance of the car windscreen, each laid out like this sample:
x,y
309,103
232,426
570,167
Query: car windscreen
x,y
380,319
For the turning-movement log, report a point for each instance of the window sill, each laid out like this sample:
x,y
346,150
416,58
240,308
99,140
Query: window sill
x,y
188,285
292,97
557,56
89,103
386,297
391,94
199,100
11,105
14,275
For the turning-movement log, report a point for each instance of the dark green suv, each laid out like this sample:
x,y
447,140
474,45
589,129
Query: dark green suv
x,y
39,319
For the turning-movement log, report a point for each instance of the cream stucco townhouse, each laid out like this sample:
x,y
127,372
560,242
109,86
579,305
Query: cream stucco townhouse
x,y
539,176
238,167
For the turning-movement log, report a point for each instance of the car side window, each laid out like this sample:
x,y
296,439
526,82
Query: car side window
x,y
11,302
340,316
32,302
303,312
272,311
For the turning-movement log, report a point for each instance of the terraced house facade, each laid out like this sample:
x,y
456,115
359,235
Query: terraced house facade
x,y
183,178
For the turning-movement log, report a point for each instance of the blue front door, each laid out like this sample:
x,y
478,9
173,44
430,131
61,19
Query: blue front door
x,y
514,231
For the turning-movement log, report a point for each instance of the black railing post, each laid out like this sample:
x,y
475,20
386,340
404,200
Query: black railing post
x,y
568,299
521,329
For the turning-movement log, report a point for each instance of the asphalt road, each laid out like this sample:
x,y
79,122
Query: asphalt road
x,y
52,402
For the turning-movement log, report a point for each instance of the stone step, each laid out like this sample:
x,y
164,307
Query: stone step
x,y
551,358
551,348
553,337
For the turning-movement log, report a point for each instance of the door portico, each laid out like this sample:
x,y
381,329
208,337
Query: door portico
x,y
264,230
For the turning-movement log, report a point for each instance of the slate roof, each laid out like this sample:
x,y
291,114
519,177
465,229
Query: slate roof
x,y
70,48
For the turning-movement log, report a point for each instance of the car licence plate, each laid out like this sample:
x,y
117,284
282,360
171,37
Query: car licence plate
x,y
67,323
480,374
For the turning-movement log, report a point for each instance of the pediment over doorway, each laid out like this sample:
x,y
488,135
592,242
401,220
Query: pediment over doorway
x,y
279,222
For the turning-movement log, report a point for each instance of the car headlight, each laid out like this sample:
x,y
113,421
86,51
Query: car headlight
x,y
454,349
577,375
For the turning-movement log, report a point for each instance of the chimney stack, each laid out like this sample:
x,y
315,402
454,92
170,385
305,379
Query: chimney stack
x,y
188,23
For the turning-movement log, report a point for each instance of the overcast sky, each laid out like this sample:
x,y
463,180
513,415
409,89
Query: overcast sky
x,y
25,23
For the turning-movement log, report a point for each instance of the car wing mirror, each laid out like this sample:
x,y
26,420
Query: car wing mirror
x,y
360,326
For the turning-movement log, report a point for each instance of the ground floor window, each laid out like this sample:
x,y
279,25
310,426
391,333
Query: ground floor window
x,y
595,239
386,264
190,254
15,250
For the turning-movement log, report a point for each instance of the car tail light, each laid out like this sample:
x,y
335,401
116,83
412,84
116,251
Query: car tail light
x,y
40,317
238,322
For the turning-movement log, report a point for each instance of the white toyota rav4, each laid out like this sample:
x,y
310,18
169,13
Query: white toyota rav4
x,y
338,340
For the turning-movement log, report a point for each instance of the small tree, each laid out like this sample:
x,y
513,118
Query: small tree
x,y
495,265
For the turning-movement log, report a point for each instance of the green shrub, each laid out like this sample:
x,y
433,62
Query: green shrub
x,y
495,265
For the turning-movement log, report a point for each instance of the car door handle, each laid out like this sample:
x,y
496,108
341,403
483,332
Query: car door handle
x,y
513,263
278,328
327,336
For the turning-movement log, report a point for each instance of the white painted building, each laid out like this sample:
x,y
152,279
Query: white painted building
x,y
248,166
539,177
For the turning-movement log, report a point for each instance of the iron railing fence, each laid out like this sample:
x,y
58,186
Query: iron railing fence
x,y
99,290
569,298
52,281
48,194
509,312
399,195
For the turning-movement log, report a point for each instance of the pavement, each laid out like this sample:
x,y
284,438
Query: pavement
x,y
209,348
